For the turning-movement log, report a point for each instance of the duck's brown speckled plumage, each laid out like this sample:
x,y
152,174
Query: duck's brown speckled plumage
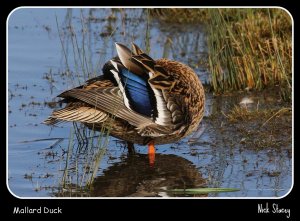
x,y
100,101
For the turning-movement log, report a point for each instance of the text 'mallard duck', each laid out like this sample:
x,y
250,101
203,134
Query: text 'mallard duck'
x,y
140,100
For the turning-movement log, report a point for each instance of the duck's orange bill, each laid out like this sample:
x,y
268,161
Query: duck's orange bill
x,y
151,153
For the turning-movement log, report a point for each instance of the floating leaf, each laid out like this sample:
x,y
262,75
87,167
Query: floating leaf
x,y
203,190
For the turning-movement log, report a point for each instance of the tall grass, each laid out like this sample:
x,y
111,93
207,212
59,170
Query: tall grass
x,y
248,48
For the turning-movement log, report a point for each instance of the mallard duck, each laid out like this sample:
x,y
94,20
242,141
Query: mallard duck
x,y
142,101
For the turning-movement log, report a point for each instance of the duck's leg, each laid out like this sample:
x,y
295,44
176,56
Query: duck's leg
x,y
130,148
151,153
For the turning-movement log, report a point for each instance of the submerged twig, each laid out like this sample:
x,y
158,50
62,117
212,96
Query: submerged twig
x,y
277,113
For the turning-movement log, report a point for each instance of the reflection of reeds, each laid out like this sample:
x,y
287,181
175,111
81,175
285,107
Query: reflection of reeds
x,y
180,15
82,160
70,147
147,37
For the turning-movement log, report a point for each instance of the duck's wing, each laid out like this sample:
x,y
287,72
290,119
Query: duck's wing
x,y
98,99
77,111
109,100
169,107
133,88
140,95
93,101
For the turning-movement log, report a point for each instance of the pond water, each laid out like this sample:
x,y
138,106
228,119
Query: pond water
x,y
51,50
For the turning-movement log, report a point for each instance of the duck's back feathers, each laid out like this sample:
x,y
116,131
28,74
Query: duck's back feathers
x,y
125,55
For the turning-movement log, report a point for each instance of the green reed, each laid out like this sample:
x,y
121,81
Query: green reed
x,y
252,50
248,48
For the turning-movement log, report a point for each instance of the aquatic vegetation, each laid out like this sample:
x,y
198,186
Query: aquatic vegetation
x,y
250,51
248,48
82,161
255,128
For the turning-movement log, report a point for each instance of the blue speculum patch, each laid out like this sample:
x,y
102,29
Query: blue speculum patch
x,y
138,92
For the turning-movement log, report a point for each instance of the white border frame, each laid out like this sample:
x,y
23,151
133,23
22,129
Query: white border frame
x,y
78,7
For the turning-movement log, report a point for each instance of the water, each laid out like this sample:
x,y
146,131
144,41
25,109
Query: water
x,y
38,154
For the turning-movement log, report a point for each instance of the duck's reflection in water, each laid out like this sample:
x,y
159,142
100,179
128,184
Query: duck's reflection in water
x,y
133,177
